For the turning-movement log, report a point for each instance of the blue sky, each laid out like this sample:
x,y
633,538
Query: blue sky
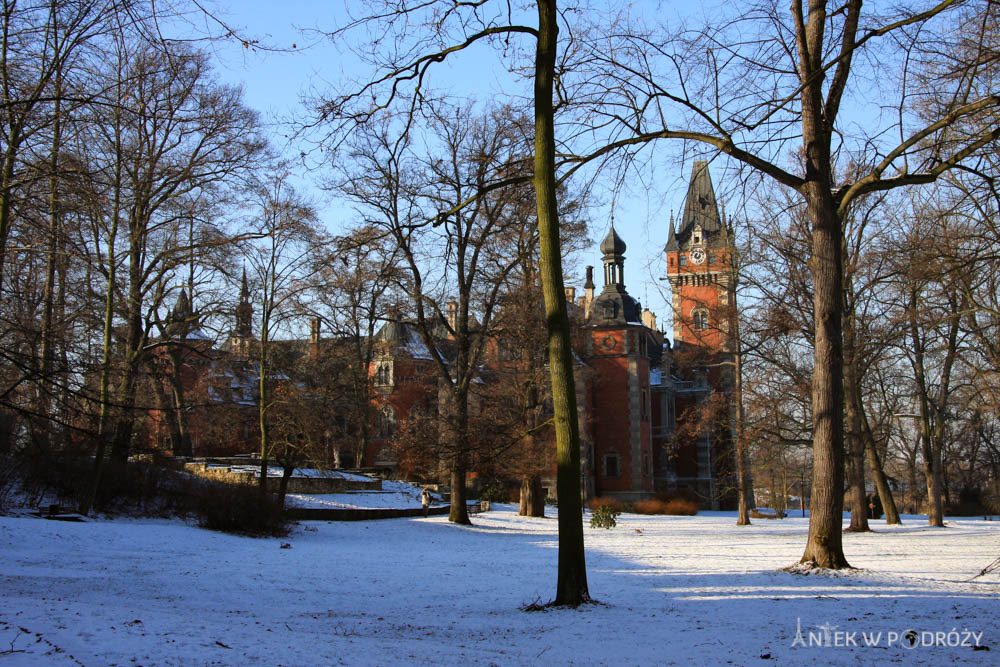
x,y
274,82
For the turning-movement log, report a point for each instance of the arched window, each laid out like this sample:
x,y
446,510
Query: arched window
x,y
700,317
383,374
386,427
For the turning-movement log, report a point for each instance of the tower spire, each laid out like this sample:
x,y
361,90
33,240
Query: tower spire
x,y
672,244
244,311
700,207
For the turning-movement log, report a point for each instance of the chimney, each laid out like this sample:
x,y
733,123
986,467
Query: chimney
x,y
452,313
649,319
588,291
314,339
570,295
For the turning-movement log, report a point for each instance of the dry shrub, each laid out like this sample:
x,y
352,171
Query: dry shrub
x,y
132,489
240,509
673,507
613,503
679,494
649,507
681,507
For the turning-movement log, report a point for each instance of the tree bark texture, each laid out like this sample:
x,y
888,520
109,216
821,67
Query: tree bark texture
x,y
824,547
531,503
856,447
571,585
878,474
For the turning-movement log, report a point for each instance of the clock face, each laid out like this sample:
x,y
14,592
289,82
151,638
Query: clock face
x,y
697,256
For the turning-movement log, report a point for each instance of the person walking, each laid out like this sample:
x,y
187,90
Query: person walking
x,y
425,501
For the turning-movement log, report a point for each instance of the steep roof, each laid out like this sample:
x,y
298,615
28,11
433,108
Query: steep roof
x,y
672,237
401,338
700,207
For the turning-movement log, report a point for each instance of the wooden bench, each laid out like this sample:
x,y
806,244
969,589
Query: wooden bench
x,y
478,507
58,513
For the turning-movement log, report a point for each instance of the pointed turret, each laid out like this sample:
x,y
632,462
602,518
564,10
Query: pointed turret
x,y
700,208
671,237
244,311
182,308
181,317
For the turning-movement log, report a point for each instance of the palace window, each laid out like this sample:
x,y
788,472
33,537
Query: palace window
x,y
611,466
383,374
683,260
386,426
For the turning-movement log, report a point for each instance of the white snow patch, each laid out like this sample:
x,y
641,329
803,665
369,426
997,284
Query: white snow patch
x,y
674,590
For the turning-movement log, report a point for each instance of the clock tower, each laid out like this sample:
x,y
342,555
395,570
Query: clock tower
x,y
699,267
700,257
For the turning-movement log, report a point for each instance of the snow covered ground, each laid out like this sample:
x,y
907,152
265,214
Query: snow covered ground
x,y
394,495
673,590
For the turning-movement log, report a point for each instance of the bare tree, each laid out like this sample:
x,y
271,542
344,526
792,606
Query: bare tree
x,y
457,268
752,99
353,280
437,31
284,223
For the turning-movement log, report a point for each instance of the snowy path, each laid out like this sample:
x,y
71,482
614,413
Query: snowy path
x,y
683,590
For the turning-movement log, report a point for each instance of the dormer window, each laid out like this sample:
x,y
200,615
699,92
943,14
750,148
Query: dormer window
x,y
696,235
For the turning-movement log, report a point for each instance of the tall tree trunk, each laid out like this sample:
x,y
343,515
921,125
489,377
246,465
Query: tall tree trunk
x,y
180,435
121,442
104,419
571,585
134,341
745,490
930,449
878,474
165,405
932,477
44,381
855,445
531,503
459,511
262,406
824,547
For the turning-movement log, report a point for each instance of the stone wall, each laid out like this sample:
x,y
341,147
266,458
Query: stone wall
x,y
225,474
